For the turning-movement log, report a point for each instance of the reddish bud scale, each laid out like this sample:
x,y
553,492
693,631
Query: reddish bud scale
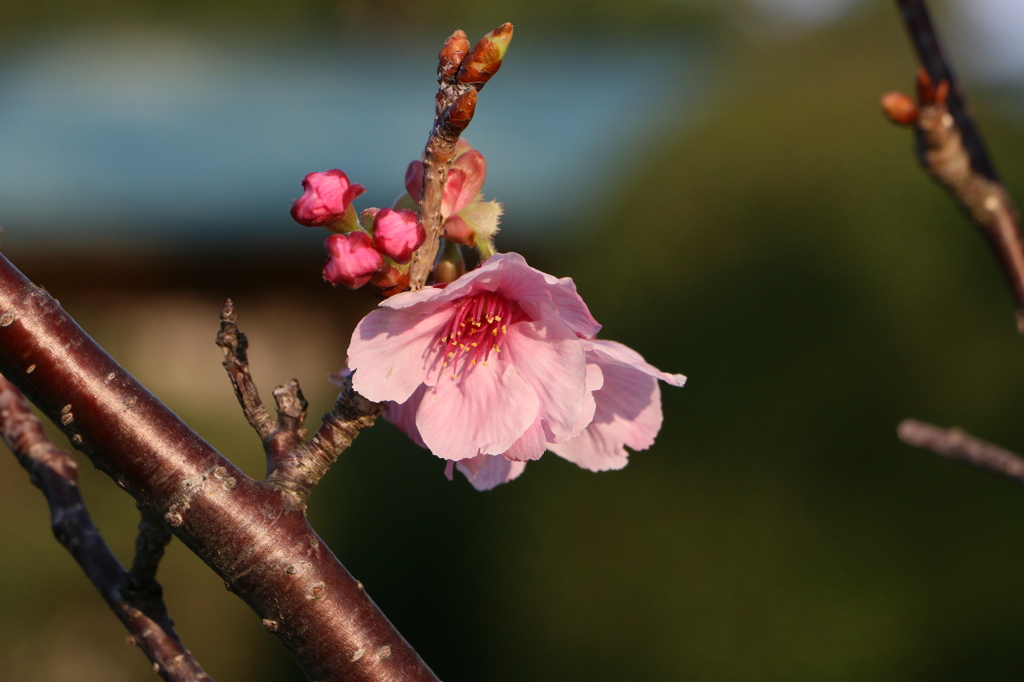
x,y
485,59
452,55
900,108
460,113
928,92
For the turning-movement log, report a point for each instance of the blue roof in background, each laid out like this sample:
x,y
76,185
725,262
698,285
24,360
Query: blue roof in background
x,y
138,139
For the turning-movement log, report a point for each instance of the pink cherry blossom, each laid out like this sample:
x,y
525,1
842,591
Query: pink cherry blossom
x,y
325,199
501,365
397,234
352,260
484,363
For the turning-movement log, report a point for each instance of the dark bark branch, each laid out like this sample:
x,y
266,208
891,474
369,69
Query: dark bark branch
x,y
250,533
460,75
154,535
960,446
952,151
55,473
921,31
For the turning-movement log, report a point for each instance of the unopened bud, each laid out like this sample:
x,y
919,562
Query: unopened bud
x,y
900,108
452,54
389,280
485,59
351,259
397,234
460,113
326,201
451,266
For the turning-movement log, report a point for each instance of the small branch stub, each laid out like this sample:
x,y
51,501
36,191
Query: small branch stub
x,y
957,445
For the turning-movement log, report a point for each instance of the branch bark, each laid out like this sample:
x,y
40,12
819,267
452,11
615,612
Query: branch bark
x,y
134,597
951,149
249,532
961,446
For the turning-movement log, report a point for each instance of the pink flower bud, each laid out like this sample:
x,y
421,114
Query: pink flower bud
x,y
397,234
414,179
351,259
325,198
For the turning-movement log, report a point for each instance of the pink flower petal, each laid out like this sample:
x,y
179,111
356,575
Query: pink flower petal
x,y
403,415
487,471
551,358
473,168
484,412
628,409
531,445
619,353
452,191
391,352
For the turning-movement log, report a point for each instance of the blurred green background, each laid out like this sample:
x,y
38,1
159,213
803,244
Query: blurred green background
x,y
771,237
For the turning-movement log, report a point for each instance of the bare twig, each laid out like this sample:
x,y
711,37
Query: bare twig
x,y
154,535
55,473
460,74
248,532
960,446
236,362
953,152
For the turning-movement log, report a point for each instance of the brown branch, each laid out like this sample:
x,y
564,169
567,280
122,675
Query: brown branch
x,y
55,473
952,150
303,467
248,532
460,74
960,446
293,466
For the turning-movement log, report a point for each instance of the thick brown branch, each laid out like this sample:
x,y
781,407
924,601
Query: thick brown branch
x,y
960,446
461,73
953,152
302,469
248,532
55,473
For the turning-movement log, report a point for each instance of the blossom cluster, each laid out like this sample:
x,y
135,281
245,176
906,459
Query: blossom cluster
x,y
491,370
371,246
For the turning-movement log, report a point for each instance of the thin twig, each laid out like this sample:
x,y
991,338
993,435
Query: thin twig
x,y
960,446
279,437
152,540
952,151
55,473
461,73
236,362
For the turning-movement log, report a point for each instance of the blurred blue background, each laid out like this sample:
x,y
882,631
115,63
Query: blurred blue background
x,y
716,177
